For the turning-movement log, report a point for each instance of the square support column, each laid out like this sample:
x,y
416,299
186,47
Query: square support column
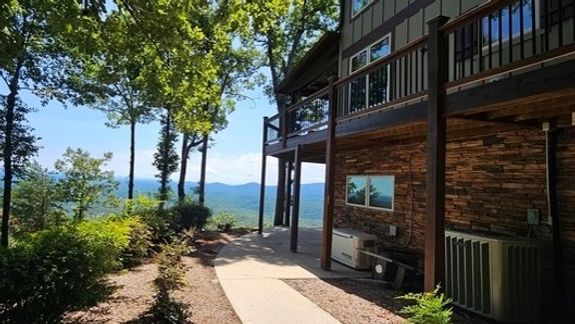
x,y
296,195
434,272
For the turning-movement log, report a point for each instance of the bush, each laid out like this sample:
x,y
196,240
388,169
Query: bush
x,y
429,308
54,271
191,215
171,277
223,221
159,222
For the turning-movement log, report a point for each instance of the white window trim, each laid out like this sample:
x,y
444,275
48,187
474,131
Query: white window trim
x,y
367,193
369,62
353,15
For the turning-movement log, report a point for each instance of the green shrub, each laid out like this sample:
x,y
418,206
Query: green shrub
x,y
171,277
223,221
139,245
191,215
159,222
54,271
429,308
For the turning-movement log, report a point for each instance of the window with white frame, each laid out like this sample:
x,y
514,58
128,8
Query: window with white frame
x,y
372,89
358,5
371,191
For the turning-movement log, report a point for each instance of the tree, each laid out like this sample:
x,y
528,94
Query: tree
x,y
166,159
36,200
108,80
285,32
23,142
84,182
35,38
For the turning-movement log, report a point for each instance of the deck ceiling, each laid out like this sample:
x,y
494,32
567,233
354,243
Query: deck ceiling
x,y
527,112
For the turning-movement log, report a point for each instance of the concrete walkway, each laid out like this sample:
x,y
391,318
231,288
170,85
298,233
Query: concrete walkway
x,y
250,270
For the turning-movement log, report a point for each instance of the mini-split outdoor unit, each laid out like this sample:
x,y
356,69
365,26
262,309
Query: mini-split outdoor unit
x,y
495,276
345,246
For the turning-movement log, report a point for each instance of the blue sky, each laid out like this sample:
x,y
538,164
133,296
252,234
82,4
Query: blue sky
x,y
235,157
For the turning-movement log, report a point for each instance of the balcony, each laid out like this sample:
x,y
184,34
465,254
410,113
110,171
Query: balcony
x,y
501,53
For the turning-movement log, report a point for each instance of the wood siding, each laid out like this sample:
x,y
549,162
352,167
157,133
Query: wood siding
x,y
410,28
492,180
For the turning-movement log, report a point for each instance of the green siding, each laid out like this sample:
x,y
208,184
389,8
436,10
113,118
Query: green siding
x,y
413,27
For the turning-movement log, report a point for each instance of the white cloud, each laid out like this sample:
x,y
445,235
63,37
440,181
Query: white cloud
x,y
221,167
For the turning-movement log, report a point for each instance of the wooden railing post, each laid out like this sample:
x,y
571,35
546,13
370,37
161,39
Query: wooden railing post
x,y
284,124
329,191
263,179
434,272
296,195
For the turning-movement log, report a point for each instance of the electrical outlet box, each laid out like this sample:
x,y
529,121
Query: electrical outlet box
x,y
533,216
392,230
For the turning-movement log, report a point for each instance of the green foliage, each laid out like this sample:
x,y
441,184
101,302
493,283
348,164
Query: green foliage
x,y
160,222
171,277
166,159
84,183
53,271
23,143
59,269
189,215
35,200
223,221
429,308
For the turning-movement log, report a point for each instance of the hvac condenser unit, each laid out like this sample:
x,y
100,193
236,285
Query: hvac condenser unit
x,y
345,246
495,276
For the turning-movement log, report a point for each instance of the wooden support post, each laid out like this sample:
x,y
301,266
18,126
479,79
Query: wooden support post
x,y
263,179
296,194
329,191
280,193
288,198
550,152
434,272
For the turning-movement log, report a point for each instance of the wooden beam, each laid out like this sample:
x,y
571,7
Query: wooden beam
x,y
329,191
280,193
547,79
296,196
550,161
434,272
289,183
262,181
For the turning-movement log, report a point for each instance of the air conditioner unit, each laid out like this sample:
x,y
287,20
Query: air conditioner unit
x,y
495,276
345,246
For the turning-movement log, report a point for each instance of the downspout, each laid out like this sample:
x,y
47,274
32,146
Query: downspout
x,y
552,210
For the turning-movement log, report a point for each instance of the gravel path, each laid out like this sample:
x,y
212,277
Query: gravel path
x,y
134,290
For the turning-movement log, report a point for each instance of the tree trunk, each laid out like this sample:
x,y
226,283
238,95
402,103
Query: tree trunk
x,y
7,151
132,159
202,191
280,193
183,167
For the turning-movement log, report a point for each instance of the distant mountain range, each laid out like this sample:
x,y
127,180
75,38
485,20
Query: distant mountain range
x,y
242,200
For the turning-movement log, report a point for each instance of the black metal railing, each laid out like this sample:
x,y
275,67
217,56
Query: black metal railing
x,y
499,37
400,75
490,40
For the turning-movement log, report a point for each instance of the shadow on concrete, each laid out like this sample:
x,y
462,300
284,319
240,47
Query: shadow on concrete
x,y
269,256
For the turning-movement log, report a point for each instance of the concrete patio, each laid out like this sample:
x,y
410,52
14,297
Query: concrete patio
x,y
251,268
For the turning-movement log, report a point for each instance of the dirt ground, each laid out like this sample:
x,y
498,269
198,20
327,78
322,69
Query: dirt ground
x,y
347,300
134,291
353,301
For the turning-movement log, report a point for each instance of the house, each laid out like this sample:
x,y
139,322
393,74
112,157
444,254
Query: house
x,y
435,115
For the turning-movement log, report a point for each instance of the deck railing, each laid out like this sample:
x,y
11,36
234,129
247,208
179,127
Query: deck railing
x,y
485,42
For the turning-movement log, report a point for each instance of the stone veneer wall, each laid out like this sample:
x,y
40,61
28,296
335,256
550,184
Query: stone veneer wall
x,y
491,182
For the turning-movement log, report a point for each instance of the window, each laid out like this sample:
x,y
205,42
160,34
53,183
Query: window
x,y
376,82
508,22
371,191
358,5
